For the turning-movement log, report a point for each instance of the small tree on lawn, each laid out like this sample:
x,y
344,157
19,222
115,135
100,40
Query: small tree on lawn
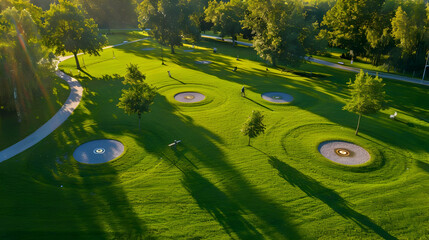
x,y
253,126
138,98
367,96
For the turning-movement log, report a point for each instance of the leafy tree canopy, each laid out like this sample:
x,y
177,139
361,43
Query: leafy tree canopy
x,y
25,65
139,96
254,126
168,20
67,29
226,17
280,30
367,95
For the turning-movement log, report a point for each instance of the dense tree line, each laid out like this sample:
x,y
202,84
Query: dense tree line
x,y
390,32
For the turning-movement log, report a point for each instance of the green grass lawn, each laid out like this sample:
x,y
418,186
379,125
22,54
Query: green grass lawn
x,y
37,112
215,186
119,36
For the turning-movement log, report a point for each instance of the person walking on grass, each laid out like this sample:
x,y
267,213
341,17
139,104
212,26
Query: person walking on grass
x,y
243,94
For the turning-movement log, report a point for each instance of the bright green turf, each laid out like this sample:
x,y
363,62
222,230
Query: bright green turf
x,y
37,112
214,186
119,36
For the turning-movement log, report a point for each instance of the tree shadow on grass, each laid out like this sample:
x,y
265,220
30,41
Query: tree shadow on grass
x,y
200,151
259,104
91,204
57,198
422,165
219,206
331,198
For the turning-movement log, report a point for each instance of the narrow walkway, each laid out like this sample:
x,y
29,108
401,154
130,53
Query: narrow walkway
x,y
66,110
338,66
61,116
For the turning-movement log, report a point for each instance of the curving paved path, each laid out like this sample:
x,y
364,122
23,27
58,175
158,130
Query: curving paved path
x,y
338,66
61,116
66,110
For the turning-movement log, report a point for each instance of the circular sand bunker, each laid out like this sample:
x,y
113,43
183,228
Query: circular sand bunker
x,y
98,151
203,62
277,97
344,152
189,97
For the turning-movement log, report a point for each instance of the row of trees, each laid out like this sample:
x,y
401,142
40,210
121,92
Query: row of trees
x,y
391,32
281,30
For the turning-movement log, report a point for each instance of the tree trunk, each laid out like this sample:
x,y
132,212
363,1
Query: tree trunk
x,y
248,143
172,48
140,118
77,61
274,61
357,128
162,55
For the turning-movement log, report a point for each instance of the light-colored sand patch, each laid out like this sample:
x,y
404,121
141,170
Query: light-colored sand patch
x,y
344,152
189,97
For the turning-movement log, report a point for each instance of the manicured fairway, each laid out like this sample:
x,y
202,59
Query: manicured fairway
x,y
215,186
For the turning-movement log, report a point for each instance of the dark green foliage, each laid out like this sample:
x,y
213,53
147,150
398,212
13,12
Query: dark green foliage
x,y
226,17
25,65
280,29
67,29
388,32
168,20
253,127
112,13
347,22
139,96
367,95
134,76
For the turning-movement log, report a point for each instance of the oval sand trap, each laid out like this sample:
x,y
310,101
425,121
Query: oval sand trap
x,y
277,97
189,97
98,151
344,152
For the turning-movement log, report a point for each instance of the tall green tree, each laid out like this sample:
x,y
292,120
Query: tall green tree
x,y
168,20
26,68
279,29
410,30
67,29
226,17
254,126
348,21
139,96
367,96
